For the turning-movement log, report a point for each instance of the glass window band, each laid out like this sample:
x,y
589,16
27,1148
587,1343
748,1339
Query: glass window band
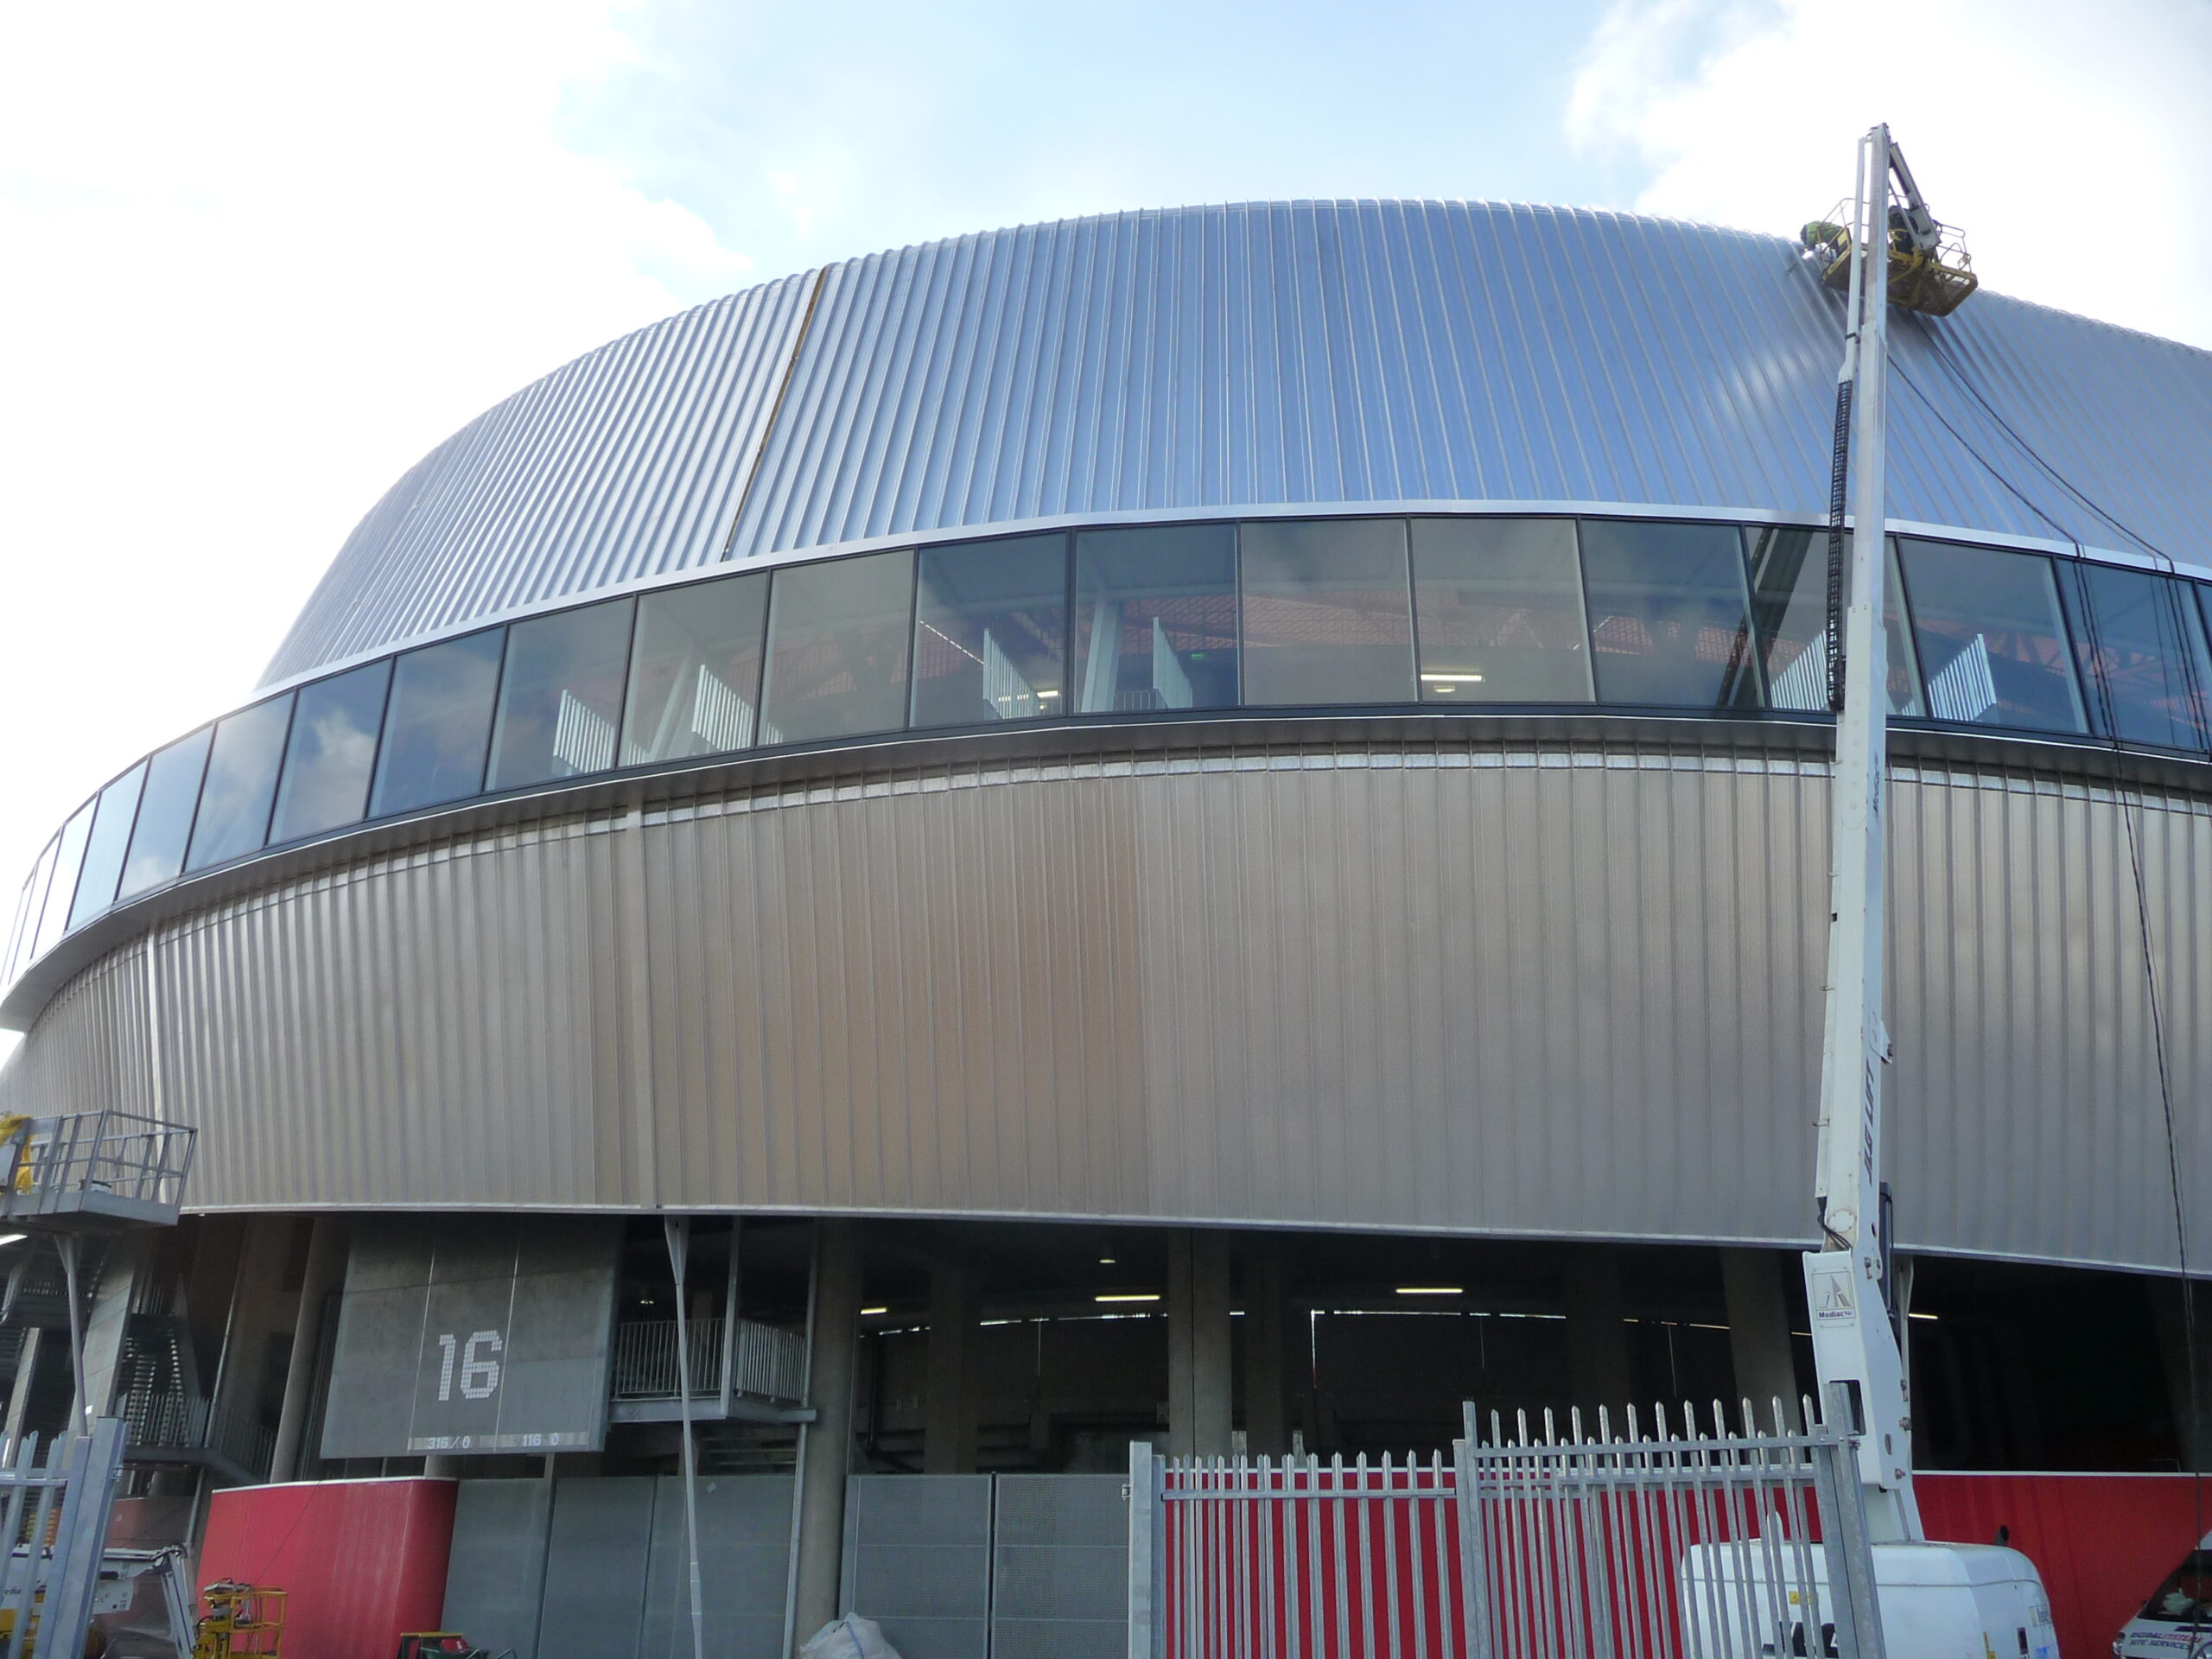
x,y
1139,620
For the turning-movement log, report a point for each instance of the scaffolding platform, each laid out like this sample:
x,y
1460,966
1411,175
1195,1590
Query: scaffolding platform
x,y
102,1172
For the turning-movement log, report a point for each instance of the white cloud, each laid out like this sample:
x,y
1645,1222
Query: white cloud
x,y
262,256
2066,140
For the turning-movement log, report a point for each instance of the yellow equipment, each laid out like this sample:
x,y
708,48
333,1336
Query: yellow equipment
x,y
1930,270
241,1619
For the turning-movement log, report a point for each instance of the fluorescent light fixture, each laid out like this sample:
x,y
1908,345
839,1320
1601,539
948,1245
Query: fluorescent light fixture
x,y
1105,1260
12,1238
1452,679
1431,1290
867,1311
1909,1316
1130,1296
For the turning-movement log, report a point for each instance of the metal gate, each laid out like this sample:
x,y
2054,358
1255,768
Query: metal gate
x,y
1681,1543
1706,1544
54,1514
1296,1557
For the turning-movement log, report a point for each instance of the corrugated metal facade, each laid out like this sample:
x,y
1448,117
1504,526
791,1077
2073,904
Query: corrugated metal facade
x,y
627,462
1559,991
1260,354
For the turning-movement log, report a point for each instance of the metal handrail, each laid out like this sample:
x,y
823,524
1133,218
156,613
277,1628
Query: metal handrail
x,y
645,1364
169,1419
53,1163
768,1363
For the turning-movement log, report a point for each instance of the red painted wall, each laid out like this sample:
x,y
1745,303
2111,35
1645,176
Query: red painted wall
x,y
2102,1541
363,1559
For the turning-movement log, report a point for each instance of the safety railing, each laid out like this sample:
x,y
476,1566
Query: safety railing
x,y
164,1419
646,1359
769,1363
766,1363
92,1162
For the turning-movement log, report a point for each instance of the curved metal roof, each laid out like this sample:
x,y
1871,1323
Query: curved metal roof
x,y
1250,355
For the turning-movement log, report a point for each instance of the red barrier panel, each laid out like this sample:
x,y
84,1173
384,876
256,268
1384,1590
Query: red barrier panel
x,y
2102,1543
362,1560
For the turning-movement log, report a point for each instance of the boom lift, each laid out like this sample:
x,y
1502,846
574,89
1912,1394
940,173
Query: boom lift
x,y
1938,1599
1929,270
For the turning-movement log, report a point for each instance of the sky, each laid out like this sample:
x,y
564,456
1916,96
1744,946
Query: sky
x,y
257,257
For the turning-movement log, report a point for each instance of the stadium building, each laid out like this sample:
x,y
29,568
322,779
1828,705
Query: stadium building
x,y
1205,824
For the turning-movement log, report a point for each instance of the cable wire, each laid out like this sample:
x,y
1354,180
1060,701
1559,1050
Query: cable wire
x,y
1965,383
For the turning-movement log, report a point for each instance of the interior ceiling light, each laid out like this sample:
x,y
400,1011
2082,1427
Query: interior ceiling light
x,y
1431,1290
1130,1296
1105,1260
867,1311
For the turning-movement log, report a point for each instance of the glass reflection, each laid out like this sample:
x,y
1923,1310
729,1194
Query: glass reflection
x,y
1669,623
837,638
118,806
990,620
1790,601
561,695
694,680
435,729
1991,645
233,817
34,900
1497,608
1328,611
2144,644
164,823
330,752
1155,619
15,928
68,859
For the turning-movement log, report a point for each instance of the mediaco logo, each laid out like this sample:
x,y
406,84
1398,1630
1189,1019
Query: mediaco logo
x,y
1833,1300
480,1371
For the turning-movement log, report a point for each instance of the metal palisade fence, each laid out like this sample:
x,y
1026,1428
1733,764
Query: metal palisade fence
x,y
54,1511
1675,1540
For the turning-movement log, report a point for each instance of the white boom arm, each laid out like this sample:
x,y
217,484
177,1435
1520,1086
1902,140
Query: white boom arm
x,y
1854,1341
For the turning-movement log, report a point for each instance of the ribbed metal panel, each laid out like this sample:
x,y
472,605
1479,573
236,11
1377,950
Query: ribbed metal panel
x,y
1348,352
627,462
90,1048
1558,989
1262,354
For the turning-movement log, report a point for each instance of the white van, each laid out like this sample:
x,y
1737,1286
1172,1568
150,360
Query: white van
x,y
2176,1622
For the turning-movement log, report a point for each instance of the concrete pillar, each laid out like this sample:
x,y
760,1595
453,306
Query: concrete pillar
x,y
1267,1430
826,1444
120,1274
259,1310
1597,1341
949,1407
19,1399
326,1272
1198,1382
1758,1333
